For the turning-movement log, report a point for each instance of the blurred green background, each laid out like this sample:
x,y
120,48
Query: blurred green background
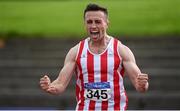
x,y
64,18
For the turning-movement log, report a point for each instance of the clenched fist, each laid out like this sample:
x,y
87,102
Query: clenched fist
x,y
45,82
47,86
142,82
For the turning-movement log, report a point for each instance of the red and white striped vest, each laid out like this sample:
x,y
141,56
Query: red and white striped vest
x,y
104,67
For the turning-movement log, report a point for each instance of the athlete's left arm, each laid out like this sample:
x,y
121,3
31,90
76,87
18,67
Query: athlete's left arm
x,y
139,80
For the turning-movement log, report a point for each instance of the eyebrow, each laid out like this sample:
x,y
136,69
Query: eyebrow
x,y
97,21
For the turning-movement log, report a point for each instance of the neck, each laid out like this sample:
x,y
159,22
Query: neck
x,y
101,42
99,46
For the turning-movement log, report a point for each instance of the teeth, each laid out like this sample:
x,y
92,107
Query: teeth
x,y
94,32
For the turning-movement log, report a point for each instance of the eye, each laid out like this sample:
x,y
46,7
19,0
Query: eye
x,y
89,21
98,21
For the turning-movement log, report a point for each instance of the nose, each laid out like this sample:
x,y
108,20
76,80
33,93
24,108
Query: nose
x,y
93,24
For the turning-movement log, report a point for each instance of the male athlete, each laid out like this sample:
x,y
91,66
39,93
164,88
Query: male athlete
x,y
99,62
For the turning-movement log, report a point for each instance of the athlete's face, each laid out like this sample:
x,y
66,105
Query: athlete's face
x,y
96,24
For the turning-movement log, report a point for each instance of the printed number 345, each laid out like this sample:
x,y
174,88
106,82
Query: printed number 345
x,y
99,94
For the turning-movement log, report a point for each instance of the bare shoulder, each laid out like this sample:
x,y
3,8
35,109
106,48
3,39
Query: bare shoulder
x,y
71,55
125,52
74,49
123,49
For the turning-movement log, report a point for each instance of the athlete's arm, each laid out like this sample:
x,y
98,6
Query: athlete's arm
x,y
139,80
60,84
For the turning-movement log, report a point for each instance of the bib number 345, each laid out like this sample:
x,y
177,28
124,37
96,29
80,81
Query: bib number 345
x,y
97,94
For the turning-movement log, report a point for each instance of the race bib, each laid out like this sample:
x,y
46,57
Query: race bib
x,y
98,91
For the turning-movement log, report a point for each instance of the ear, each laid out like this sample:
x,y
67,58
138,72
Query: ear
x,y
107,22
85,24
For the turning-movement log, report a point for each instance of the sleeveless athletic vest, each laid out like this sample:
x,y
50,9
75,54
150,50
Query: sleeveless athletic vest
x,y
99,84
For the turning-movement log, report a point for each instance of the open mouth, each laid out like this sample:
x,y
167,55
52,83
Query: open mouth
x,y
94,32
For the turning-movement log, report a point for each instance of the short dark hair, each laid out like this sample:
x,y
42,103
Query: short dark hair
x,y
95,7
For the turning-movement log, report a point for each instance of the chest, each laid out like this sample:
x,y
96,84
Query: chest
x,y
97,50
105,62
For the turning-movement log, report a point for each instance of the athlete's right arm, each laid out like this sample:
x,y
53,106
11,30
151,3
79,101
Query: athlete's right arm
x,y
60,84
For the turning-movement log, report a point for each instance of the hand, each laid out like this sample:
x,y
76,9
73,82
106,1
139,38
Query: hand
x,y
47,86
45,83
142,82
